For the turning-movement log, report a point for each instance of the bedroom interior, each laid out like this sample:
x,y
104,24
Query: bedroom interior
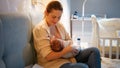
x,y
98,23
100,28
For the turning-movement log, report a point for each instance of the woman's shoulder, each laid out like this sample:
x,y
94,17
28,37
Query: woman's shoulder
x,y
41,25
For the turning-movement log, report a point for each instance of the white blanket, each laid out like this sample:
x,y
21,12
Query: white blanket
x,y
37,66
109,27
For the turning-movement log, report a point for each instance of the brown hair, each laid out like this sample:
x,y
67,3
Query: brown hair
x,y
56,46
54,5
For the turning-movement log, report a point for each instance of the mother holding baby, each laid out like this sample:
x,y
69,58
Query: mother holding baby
x,y
46,57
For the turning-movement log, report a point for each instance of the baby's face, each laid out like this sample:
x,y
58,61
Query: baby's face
x,y
56,46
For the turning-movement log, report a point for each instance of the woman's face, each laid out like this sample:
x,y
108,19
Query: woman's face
x,y
53,17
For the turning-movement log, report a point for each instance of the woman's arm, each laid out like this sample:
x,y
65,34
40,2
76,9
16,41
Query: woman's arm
x,y
55,55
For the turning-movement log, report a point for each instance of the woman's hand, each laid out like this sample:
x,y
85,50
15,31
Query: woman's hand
x,y
71,49
75,51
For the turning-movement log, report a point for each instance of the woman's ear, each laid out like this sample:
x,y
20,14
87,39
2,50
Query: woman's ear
x,y
46,13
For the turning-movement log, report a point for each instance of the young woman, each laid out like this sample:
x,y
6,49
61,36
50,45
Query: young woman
x,y
50,26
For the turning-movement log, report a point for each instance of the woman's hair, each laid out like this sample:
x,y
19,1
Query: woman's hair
x,y
54,5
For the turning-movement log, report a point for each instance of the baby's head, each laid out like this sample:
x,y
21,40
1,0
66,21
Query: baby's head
x,y
56,45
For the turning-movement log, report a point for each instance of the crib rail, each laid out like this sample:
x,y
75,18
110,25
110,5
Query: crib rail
x,y
110,43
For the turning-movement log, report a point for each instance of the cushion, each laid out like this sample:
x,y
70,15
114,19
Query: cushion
x,y
2,64
17,35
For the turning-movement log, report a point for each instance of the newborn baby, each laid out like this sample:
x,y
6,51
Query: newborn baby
x,y
58,45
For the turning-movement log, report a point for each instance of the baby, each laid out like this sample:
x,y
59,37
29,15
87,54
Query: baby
x,y
57,45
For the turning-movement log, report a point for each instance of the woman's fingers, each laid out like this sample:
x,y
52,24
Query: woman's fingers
x,y
75,52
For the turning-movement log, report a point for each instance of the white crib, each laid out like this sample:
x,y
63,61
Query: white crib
x,y
105,32
110,46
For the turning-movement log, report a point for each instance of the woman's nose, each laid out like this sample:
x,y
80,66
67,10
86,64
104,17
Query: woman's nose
x,y
56,20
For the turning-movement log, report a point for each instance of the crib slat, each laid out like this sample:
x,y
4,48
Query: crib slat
x,y
110,50
117,49
110,46
103,47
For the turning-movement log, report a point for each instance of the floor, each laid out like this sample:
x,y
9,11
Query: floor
x,y
106,63
110,63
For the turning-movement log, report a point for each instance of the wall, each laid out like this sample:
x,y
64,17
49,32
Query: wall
x,y
35,11
98,7
11,6
65,19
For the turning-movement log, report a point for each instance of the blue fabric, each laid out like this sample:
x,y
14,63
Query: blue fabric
x,y
90,56
75,65
17,35
2,64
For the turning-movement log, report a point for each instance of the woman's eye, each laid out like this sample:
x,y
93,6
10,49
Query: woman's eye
x,y
53,17
59,17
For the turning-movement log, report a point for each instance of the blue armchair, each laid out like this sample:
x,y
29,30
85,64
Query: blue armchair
x,y
16,49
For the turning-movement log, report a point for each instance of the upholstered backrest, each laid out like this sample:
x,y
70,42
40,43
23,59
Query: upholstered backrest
x,y
2,64
17,50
